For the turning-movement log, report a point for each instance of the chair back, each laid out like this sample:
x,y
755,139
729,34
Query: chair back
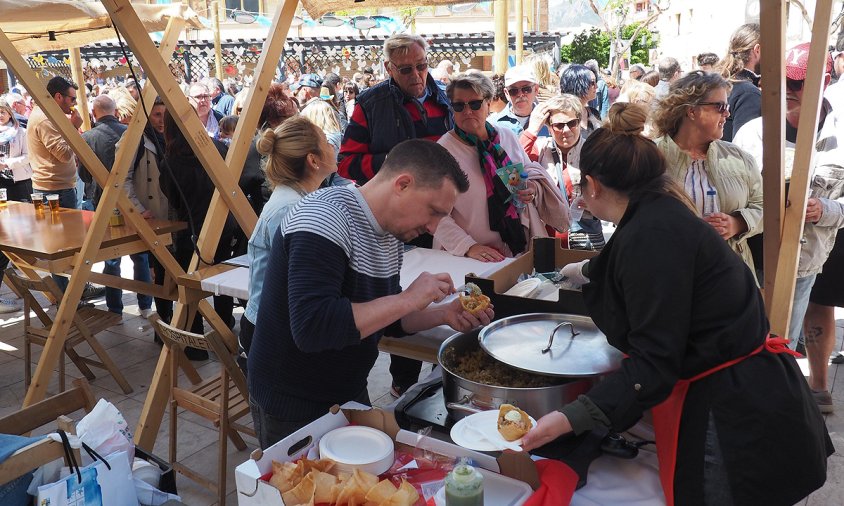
x,y
25,287
210,341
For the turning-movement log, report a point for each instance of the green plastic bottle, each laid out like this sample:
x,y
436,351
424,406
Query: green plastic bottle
x,y
464,486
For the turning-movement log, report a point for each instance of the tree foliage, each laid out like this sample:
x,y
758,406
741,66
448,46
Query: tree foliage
x,y
642,44
587,45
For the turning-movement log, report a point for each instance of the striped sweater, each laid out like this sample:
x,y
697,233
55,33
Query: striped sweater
x,y
307,353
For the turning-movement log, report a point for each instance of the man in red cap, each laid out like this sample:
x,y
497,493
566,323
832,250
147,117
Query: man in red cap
x,y
824,216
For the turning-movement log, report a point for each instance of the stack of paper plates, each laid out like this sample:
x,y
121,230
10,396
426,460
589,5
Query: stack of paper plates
x,y
358,447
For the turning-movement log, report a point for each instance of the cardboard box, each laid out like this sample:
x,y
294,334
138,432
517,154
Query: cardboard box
x,y
253,491
545,255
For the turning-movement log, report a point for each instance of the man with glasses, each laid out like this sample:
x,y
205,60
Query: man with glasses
x,y
520,88
16,102
818,285
408,105
200,98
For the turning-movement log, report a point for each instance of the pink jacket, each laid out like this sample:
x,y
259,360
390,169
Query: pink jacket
x,y
468,223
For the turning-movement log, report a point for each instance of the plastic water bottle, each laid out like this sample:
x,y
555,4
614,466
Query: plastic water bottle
x,y
710,205
523,179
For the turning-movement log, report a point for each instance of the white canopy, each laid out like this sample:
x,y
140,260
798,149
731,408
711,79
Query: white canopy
x,y
28,23
316,8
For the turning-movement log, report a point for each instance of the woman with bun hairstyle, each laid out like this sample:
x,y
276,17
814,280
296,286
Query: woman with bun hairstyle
x,y
297,158
732,414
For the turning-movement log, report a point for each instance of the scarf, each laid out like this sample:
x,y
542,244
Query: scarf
x,y
7,134
503,217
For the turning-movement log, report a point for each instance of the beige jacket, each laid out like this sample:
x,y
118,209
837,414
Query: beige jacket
x,y
53,161
737,180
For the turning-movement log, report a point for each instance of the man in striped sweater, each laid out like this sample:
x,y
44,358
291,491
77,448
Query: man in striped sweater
x,y
332,288
409,105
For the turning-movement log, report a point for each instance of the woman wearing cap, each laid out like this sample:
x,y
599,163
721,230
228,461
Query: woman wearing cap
x,y
581,82
721,179
560,155
485,223
734,420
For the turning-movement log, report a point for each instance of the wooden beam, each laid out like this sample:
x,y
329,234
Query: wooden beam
x,y
502,45
159,74
798,192
82,93
772,17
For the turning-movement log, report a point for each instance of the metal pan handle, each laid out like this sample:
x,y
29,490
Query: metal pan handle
x,y
465,405
553,332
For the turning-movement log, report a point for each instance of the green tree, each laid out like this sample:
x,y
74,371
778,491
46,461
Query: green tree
x,y
644,41
588,45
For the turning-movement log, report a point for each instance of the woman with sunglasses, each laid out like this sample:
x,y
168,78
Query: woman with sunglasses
x,y
560,155
721,179
581,82
485,224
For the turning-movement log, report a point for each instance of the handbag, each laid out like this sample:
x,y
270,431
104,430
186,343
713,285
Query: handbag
x,y
105,482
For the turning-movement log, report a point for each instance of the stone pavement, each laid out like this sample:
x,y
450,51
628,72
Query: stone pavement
x,y
131,346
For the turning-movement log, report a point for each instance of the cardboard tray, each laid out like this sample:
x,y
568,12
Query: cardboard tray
x,y
545,255
253,491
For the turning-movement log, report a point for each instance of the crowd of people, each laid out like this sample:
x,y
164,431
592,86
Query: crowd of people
x,y
671,158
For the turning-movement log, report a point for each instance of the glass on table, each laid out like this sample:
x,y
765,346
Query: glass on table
x,y
53,201
38,202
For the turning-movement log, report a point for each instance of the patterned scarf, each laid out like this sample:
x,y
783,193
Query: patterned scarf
x,y
503,217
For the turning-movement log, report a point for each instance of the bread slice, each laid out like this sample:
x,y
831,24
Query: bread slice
x,y
515,425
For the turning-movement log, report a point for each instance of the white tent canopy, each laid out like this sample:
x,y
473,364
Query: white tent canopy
x,y
29,23
316,8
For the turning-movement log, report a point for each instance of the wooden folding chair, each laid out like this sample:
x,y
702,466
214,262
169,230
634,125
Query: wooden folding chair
x,y
41,413
213,399
87,322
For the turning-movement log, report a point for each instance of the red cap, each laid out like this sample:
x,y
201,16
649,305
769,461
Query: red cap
x,y
797,59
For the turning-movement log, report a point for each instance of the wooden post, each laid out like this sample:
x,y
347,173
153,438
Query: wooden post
x,y
209,237
218,52
520,34
772,16
798,192
82,93
502,45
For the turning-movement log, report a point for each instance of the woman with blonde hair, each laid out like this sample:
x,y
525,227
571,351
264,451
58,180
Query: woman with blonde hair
x,y
721,179
559,154
323,115
13,156
297,158
124,104
732,414
741,67
549,82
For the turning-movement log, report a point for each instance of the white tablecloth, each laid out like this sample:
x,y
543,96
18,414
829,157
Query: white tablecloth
x,y
235,283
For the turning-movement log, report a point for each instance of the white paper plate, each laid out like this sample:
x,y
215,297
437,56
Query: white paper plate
x,y
358,447
467,438
524,288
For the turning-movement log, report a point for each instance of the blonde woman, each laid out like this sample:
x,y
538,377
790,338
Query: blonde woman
x,y
721,179
323,115
741,67
549,82
637,92
13,156
297,158
124,104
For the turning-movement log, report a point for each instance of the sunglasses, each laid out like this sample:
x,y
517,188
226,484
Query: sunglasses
x,y
473,104
515,92
794,85
407,69
721,107
572,124
71,97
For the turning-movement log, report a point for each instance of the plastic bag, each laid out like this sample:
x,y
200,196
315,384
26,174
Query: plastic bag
x,y
105,430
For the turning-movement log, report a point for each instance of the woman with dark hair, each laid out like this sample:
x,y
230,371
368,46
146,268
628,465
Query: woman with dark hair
x,y
189,189
732,413
721,179
488,222
499,99
350,96
741,66
581,82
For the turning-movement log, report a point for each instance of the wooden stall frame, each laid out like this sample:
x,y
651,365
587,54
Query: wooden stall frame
x,y
779,310
225,174
113,196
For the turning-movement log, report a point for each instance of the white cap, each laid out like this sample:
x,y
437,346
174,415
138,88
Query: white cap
x,y
518,74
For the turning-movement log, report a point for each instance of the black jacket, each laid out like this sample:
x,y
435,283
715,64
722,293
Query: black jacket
x,y
745,103
102,139
668,291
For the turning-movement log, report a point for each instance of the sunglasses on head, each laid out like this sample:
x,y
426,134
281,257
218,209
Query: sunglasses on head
x,y
721,107
572,124
515,92
794,84
473,104
407,69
